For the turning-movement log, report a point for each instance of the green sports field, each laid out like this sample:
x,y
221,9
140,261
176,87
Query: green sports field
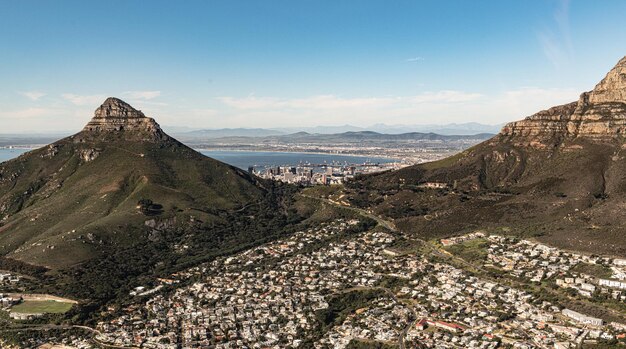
x,y
36,307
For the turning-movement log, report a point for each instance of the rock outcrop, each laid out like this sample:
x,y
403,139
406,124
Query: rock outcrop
x,y
599,115
613,87
115,116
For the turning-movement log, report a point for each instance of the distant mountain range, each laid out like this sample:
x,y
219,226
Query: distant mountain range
x,y
344,137
231,132
185,132
371,135
345,133
470,128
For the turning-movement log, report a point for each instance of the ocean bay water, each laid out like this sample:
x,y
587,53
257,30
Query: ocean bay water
x,y
262,159
8,154
258,159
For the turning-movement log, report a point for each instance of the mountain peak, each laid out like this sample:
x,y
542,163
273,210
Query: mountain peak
x,y
612,89
597,115
117,108
116,117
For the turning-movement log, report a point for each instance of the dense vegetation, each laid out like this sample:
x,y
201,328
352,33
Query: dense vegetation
x,y
356,344
474,251
32,337
339,307
21,267
392,283
598,271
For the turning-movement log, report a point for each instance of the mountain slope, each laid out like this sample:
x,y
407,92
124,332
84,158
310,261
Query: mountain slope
x,y
60,202
558,174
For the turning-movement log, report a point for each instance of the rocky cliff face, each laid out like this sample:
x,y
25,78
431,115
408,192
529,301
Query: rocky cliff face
x,y
599,115
613,87
116,117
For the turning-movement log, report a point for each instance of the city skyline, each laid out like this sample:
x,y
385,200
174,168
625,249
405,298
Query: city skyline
x,y
283,64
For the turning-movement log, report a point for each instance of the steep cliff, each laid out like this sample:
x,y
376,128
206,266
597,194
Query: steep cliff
x,y
599,114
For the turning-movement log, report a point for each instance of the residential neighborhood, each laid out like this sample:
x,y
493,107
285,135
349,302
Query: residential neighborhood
x,y
276,295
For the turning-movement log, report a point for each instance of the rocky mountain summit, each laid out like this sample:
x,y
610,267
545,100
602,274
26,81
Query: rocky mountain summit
x,y
612,88
112,176
599,114
116,117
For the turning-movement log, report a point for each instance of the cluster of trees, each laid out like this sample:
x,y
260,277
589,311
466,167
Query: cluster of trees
x,y
339,307
392,282
21,267
33,338
355,344
149,208
403,211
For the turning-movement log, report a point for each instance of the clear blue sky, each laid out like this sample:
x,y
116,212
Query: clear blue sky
x,y
300,63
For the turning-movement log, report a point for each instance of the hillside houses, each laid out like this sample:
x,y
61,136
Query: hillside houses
x,y
269,296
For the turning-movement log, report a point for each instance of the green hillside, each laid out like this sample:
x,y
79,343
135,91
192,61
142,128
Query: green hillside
x,y
60,204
